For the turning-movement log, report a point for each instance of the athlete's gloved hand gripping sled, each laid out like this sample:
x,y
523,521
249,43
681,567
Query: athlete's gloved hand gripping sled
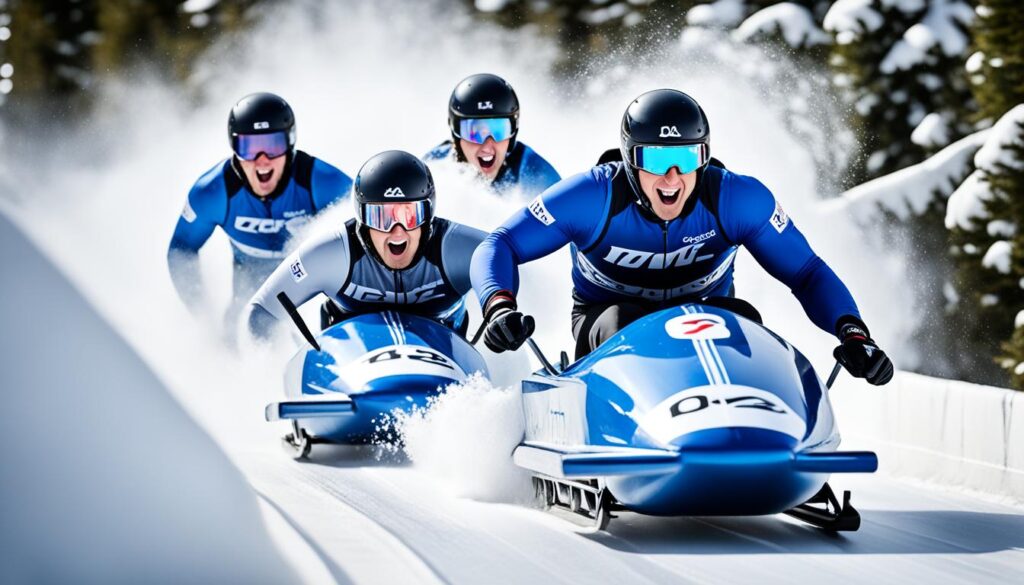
x,y
658,230
507,329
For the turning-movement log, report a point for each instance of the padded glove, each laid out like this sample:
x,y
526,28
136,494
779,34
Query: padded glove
x,y
507,329
860,355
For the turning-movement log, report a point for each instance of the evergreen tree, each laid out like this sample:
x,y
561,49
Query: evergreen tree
x,y
897,63
991,249
999,39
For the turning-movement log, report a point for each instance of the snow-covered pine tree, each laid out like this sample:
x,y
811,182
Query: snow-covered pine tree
x,y
899,61
990,243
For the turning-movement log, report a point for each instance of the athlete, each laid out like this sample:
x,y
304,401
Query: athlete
x,y
659,228
395,254
258,197
483,115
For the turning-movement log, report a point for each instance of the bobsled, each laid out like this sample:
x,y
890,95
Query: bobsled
x,y
690,411
363,369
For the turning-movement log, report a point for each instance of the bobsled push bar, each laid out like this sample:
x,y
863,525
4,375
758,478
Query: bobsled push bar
x,y
554,461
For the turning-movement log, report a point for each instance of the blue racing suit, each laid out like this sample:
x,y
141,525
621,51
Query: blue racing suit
x,y
258,227
621,252
523,169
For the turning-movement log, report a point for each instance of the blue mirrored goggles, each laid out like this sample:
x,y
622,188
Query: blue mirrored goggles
x,y
658,160
384,216
478,130
250,146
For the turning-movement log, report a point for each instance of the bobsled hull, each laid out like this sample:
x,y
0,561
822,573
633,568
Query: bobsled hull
x,y
368,366
689,411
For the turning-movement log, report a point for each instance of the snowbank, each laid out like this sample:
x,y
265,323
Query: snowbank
x,y
944,431
104,478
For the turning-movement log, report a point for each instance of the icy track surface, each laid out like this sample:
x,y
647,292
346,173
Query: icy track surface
x,y
102,204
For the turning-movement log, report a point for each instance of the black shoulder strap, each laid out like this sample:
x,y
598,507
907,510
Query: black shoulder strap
x,y
434,252
622,196
710,189
610,155
355,252
303,174
510,168
234,181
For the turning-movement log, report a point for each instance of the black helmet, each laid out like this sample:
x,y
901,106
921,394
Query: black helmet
x,y
261,113
393,176
663,117
483,96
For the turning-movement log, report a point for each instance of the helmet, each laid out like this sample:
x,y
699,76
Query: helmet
x,y
482,96
389,178
663,117
261,113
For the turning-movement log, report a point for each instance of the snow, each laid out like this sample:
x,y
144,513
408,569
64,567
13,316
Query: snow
x,y
5,33
792,20
909,51
1001,228
910,190
1005,132
975,62
481,470
6,70
940,26
192,6
931,132
851,18
1018,321
946,19
720,14
998,256
490,5
968,202
603,15
105,477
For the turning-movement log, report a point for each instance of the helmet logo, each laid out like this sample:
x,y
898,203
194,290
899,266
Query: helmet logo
x,y
484,106
669,132
394,192
260,125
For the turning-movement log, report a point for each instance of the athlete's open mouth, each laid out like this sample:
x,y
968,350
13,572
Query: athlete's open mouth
x,y
397,248
264,176
486,162
668,197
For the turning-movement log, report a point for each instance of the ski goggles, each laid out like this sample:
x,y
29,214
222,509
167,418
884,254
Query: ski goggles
x,y
478,130
658,160
250,146
384,216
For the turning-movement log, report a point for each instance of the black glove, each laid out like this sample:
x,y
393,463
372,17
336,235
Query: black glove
x,y
860,355
507,328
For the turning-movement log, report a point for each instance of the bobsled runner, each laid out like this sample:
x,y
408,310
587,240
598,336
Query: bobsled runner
x,y
690,411
363,369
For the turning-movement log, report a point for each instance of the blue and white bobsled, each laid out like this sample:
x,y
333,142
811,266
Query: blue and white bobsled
x,y
689,411
366,367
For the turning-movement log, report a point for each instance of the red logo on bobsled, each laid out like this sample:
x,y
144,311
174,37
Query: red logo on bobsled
x,y
697,326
